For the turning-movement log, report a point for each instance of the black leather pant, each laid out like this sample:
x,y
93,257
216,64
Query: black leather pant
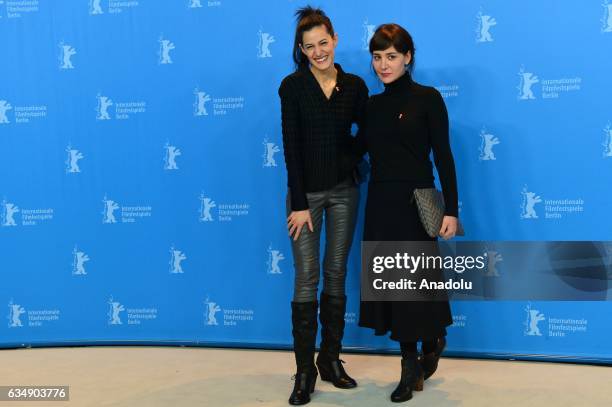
x,y
338,206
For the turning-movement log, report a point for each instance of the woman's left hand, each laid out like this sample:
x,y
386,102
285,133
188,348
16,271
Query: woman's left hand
x,y
449,227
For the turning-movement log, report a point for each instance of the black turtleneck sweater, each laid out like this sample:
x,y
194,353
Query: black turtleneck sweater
x,y
403,125
317,138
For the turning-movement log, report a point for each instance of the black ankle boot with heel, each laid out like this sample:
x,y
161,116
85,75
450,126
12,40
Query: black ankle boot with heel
x,y
429,361
411,379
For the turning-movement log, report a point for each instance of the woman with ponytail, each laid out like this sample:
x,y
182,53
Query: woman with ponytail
x,y
319,104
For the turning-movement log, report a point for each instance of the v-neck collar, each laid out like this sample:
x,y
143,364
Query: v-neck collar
x,y
313,81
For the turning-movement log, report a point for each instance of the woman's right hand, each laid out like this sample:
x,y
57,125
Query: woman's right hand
x,y
296,221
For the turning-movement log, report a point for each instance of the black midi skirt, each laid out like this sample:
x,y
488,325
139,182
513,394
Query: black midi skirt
x,y
391,215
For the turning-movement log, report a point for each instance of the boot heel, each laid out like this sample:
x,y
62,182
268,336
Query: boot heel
x,y
324,373
312,385
326,378
334,373
418,385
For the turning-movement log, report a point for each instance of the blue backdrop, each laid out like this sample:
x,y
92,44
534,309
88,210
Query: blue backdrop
x,y
142,181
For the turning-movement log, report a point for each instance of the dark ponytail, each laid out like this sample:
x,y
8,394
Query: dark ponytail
x,y
306,19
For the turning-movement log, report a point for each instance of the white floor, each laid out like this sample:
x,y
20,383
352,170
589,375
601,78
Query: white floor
x,y
164,376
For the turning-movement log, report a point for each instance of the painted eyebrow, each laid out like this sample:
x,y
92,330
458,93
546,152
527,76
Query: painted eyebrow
x,y
309,43
383,54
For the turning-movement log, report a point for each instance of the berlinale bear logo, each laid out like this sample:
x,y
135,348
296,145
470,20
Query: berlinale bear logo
x,y
165,46
66,52
486,146
263,47
5,106
484,25
176,257
530,199
527,80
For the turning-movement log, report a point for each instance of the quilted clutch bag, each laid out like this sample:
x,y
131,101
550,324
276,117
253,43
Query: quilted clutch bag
x,y
430,204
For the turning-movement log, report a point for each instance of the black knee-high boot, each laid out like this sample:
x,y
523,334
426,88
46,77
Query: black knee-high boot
x,y
330,367
304,319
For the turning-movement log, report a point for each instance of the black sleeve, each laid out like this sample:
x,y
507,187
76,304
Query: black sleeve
x,y
443,157
359,117
291,145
